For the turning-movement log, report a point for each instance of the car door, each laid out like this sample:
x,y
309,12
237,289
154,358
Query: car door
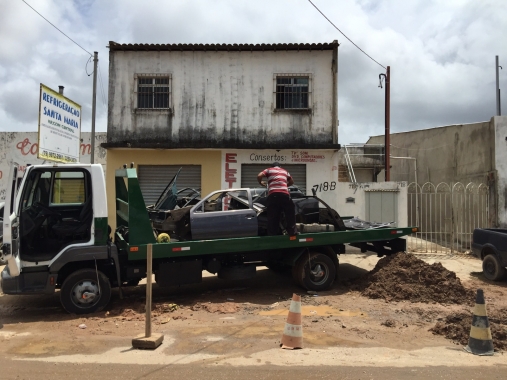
x,y
10,247
215,218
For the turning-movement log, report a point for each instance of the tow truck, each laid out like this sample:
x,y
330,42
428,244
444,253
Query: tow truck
x,y
56,236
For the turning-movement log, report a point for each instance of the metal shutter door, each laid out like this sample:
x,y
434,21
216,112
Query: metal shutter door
x,y
154,178
249,174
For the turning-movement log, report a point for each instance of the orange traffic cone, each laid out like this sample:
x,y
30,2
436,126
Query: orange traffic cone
x,y
480,341
293,333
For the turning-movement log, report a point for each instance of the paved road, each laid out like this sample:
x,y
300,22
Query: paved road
x,y
27,370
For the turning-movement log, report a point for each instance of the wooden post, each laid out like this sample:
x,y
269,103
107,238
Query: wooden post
x,y
148,340
149,272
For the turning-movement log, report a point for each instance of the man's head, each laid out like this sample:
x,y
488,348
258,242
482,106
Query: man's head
x,y
274,164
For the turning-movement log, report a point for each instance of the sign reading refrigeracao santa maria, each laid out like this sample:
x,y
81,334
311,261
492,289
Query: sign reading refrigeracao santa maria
x,y
59,127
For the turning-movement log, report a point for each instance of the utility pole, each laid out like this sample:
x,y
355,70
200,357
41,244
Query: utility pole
x,y
94,103
498,107
387,143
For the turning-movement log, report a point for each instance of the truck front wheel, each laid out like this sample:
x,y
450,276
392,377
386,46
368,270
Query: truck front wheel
x,y
85,291
492,268
314,271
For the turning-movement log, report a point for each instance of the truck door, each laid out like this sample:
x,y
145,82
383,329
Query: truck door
x,y
10,248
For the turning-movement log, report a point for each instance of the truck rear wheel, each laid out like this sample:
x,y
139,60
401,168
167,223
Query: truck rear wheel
x,y
315,271
492,268
85,291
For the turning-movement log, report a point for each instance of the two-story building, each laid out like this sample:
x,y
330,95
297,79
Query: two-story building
x,y
223,112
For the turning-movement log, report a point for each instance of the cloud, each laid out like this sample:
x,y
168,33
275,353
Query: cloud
x,y
441,52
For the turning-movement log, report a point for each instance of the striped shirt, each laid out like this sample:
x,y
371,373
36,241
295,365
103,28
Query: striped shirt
x,y
277,180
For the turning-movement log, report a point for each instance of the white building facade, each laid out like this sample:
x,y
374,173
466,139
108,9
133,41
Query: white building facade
x,y
224,113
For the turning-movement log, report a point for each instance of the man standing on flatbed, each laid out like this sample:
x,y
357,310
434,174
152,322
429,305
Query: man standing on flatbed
x,y
278,198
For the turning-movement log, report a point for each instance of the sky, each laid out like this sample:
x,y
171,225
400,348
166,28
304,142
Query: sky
x,y
441,53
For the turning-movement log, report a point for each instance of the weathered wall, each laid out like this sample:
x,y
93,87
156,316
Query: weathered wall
x,y
22,148
321,168
500,124
358,192
210,161
221,100
454,153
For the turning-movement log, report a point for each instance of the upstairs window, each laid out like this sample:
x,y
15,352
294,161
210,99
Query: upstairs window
x,y
292,92
153,91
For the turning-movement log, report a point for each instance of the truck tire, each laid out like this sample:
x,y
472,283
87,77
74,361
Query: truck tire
x,y
315,271
80,292
492,268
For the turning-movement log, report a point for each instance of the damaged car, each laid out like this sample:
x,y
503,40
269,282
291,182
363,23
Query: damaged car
x,y
229,213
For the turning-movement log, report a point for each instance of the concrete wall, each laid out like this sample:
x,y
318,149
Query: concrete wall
x,y
358,192
454,153
22,148
221,100
500,124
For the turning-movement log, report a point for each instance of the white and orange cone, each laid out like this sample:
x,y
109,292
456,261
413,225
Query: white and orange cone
x,y
292,337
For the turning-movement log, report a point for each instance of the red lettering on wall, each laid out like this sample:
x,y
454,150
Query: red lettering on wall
x,y
26,147
231,157
230,174
86,149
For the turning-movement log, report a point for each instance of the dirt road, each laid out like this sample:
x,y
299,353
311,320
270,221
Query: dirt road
x,y
238,326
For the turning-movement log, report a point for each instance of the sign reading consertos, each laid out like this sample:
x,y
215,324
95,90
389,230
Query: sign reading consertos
x,y
59,127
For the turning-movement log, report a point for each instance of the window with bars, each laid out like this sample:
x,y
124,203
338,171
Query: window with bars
x,y
153,92
292,92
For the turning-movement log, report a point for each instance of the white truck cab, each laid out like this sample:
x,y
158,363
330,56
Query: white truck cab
x,y
55,217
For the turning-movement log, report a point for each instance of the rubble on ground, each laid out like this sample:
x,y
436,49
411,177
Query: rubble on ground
x,y
456,327
404,277
221,308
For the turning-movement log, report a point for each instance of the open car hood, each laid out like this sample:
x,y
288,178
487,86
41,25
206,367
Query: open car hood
x,y
169,197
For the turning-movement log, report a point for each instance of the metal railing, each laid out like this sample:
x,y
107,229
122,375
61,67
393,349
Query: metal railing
x,y
446,215
360,150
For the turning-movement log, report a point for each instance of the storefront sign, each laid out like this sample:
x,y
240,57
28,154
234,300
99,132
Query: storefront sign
x,y
59,127
295,157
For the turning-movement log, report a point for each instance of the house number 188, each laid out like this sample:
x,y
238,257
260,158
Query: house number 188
x,y
325,186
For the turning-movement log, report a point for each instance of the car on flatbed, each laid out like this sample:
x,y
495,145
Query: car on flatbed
x,y
58,237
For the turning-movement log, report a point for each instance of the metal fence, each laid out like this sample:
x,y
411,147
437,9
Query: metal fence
x,y
446,215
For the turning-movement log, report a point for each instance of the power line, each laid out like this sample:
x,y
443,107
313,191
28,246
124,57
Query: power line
x,y
56,27
104,101
345,35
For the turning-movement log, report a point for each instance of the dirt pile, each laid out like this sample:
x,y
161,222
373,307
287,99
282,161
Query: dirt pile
x,y
456,327
403,276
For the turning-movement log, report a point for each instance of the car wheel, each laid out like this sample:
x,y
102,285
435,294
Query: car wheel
x,y
81,293
492,268
314,272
